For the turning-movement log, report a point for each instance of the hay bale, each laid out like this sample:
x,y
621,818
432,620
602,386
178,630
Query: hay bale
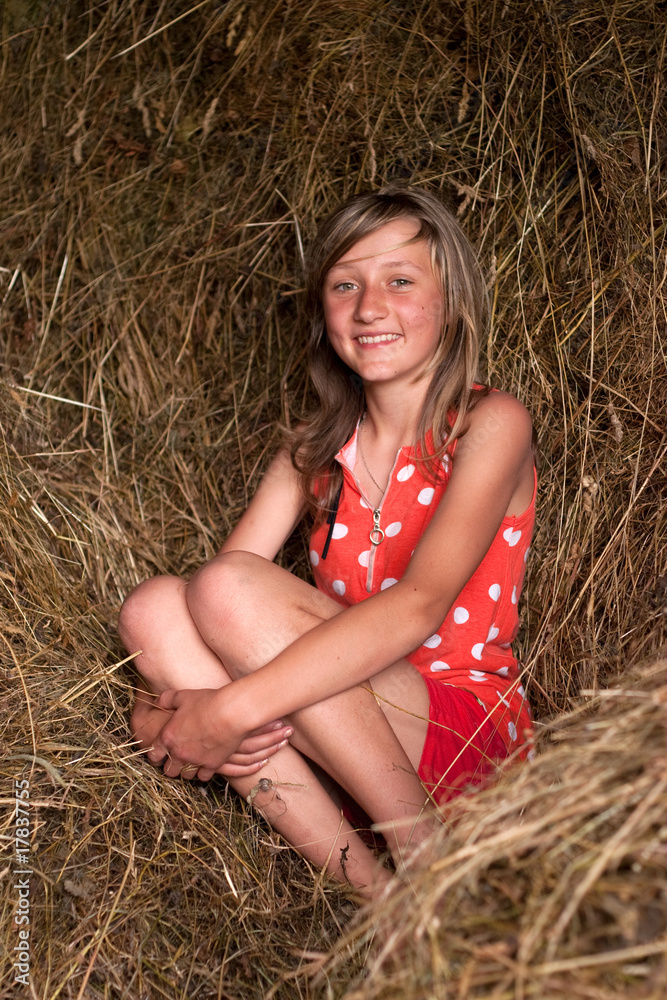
x,y
162,167
550,884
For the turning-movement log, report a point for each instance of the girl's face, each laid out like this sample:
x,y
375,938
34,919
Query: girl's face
x,y
383,307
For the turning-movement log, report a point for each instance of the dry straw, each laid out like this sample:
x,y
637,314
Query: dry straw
x,y
161,167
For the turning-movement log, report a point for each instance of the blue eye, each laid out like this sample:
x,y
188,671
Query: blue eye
x,y
344,286
401,282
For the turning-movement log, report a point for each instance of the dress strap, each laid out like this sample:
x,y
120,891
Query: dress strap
x,y
331,520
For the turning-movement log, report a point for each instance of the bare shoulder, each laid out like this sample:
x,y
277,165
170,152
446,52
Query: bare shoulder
x,y
498,447
504,406
498,416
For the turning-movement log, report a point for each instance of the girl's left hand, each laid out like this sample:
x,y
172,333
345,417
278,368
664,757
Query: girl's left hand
x,y
198,741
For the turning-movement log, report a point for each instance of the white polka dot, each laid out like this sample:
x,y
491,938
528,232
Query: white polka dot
x,y
339,587
504,701
393,528
364,558
526,554
426,495
511,729
339,530
531,754
521,691
389,582
314,558
513,595
446,463
434,641
362,503
461,615
477,676
494,591
493,633
439,665
511,536
405,473
504,645
503,671
477,650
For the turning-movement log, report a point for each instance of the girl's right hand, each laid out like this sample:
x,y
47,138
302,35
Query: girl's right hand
x,y
260,744
255,750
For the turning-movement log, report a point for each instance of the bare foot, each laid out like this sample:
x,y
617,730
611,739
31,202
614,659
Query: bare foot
x,y
146,720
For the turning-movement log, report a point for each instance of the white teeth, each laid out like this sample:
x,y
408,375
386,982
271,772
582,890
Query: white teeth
x,y
380,339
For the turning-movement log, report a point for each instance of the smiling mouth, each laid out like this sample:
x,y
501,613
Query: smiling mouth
x,y
380,338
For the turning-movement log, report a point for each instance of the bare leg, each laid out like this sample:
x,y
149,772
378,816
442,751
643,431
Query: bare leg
x,y
348,735
155,619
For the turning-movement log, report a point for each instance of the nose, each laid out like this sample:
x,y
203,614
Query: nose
x,y
370,303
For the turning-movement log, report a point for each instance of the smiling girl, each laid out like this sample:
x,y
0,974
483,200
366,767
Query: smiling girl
x,y
395,674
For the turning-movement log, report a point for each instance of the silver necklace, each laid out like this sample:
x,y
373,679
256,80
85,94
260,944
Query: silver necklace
x,y
363,459
377,534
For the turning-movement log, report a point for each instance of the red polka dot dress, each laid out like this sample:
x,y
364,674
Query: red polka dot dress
x,y
472,648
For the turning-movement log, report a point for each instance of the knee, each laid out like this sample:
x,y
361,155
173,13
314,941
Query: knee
x,y
147,609
219,592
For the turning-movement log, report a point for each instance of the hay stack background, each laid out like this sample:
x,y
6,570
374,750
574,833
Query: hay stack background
x,y
161,167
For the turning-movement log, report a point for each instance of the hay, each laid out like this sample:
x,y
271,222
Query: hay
x,y
162,167
551,884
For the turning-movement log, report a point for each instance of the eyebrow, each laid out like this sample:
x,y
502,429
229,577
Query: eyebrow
x,y
389,264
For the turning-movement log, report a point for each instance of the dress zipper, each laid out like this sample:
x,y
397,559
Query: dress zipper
x,y
376,536
376,529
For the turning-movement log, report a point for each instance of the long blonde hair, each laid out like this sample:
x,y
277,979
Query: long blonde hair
x,y
453,370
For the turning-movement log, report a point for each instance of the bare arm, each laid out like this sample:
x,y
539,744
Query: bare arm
x,y
492,477
272,514
263,528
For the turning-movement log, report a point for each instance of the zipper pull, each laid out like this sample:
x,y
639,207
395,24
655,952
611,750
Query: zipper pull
x,y
377,534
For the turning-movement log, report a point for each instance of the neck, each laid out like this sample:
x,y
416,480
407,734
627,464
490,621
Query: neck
x,y
393,412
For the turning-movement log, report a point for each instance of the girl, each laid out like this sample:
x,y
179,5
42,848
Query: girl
x,y
395,674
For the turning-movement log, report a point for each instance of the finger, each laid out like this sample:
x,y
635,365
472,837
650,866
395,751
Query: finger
x,y
173,766
189,771
270,727
156,754
168,700
246,759
230,770
205,774
258,744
